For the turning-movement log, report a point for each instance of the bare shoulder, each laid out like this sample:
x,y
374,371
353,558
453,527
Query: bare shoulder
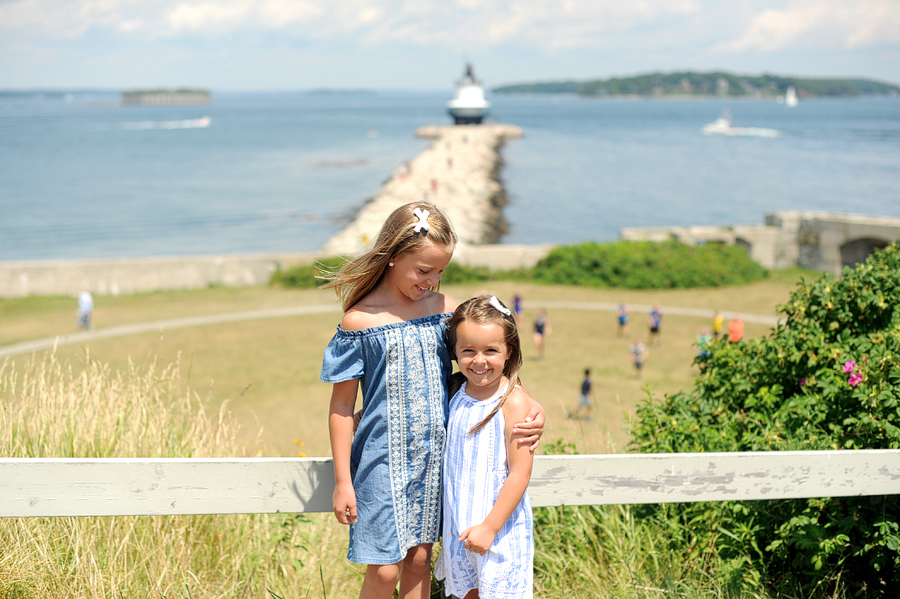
x,y
357,320
516,406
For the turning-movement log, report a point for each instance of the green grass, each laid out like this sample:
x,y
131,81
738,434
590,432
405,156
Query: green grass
x,y
113,397
268,369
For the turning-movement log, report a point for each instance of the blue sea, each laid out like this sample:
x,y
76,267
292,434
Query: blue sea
x,y
83,177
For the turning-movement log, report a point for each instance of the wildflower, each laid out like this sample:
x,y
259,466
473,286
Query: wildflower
x,y
849,366
855,379
803,382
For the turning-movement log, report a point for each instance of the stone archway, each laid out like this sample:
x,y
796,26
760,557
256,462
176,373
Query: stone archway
x,y
743,243
857,251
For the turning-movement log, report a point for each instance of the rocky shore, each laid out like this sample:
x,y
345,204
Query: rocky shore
x,y
459,173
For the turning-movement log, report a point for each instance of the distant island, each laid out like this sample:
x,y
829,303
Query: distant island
x,y
182,96
715,84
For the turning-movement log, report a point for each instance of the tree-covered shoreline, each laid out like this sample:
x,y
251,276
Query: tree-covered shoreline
x,y
716,84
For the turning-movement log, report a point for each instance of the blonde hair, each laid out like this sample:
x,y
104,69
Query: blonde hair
x,y
479,310
355,279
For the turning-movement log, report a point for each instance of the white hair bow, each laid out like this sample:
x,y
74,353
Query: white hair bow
x,y
500,307
423,220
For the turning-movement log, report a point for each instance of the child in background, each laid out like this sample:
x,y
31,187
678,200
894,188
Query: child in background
x,y
585,400
391,343
488,545
622,314
638,355
718,324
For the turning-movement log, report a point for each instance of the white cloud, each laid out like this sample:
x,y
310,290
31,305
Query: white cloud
x,y
821,23
549,23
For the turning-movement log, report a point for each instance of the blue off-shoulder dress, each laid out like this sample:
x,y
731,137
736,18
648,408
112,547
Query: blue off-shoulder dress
x,y
398,448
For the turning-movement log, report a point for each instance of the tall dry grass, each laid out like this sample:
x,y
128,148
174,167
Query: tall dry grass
x,y
49,409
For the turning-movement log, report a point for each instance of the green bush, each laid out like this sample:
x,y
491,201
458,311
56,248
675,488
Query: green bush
x,y
625,264
648,265
305,276
826,378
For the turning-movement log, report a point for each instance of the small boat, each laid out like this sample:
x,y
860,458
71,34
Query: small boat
x,y
468,107
724,126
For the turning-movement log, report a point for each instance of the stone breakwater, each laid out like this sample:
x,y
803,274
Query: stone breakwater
x,y
459,173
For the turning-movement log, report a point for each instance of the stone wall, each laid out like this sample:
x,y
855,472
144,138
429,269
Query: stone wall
x,y
822,241
118,277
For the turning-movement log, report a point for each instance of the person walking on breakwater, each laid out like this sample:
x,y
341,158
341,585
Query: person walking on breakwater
x,y
541,330
391,343
488,542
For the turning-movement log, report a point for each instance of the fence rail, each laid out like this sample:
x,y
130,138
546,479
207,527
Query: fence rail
x,y
31,487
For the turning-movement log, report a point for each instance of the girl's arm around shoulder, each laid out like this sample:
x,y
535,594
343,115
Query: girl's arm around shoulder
x,y
519,455
530,428
450,304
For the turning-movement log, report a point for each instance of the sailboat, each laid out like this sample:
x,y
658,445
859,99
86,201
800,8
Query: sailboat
x,y
790,97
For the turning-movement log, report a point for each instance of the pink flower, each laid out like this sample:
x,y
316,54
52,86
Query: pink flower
x,y
849,366
855,379
803,382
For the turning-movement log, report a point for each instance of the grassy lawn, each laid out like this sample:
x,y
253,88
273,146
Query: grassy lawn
x,y
267,370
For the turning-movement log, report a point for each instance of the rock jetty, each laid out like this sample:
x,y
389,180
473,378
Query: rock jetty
x,y
459,173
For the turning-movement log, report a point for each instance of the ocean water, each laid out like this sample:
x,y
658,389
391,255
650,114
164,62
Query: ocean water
x,y
82,177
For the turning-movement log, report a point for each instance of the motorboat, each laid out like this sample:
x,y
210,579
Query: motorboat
x,y
724,126
468,107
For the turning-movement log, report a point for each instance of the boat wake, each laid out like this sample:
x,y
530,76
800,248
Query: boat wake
x,y
200,123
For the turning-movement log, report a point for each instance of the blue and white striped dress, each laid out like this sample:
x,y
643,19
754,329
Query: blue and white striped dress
x,y
475,468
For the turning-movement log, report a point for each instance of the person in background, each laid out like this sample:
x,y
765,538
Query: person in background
x,y
638,355
654,322
735,329
517,307
85,310
586,400
718,324
703,341
541,330
622,315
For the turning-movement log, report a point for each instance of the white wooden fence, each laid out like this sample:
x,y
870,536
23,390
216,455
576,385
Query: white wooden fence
x,y
170,486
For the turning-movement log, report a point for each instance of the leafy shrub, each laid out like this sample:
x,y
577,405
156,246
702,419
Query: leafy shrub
x,y
648,265
826,378
625,264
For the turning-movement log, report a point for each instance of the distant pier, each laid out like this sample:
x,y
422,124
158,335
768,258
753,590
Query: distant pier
x,y
459,173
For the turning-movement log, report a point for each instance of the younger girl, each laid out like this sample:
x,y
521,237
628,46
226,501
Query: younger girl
x,y
488,548
391,344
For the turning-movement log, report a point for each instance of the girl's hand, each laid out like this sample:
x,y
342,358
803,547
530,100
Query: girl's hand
x,y
343,502
478,539
530,432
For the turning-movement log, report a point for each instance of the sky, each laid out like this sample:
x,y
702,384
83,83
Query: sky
x,y
423,44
